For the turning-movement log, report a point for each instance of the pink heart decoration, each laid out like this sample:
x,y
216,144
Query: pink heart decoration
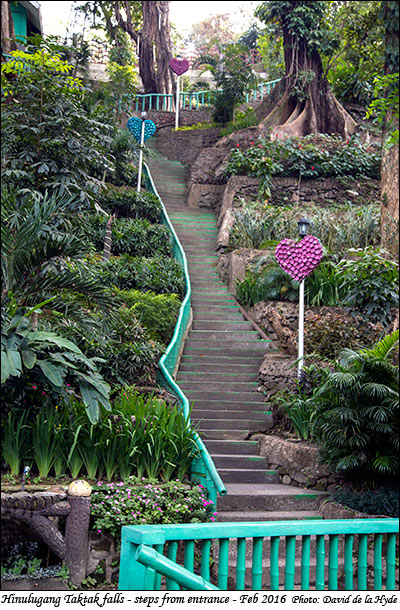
x,y
179,66
299,259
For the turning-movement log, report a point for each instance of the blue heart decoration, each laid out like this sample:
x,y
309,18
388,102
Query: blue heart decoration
x,y
135,127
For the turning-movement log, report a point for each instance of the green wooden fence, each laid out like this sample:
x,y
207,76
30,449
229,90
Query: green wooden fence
x,y
203,469
327,554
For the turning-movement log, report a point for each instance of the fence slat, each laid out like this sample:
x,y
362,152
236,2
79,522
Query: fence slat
x,y
348,562
223,564
256,568
333,562
320,572
172,551
378,562
274,563
290,562
241,564
157,585
205,559
391,563
305,563
362,562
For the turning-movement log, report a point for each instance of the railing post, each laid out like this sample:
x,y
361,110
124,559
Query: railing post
x,y
132,574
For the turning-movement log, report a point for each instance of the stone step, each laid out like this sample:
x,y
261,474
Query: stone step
x,y
280,515
218,315
223,377
244,414
274,497
216,367
201,348
239,434
232,405
223,360
223,396
218,386
228,447
228,325
249,425
248,475
226,460
222,336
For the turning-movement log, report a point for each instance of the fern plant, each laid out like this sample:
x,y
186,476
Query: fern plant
x,y
357,413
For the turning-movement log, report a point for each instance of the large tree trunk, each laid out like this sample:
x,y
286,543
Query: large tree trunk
x,y
390,195
8,43
154,44
308,104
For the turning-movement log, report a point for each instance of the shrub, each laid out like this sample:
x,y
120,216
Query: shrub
x,y
135,237
158,313
338,230
126,203
329,333
142,436
303,157
141,502
356,421
381,501
155,274
370,283
271,284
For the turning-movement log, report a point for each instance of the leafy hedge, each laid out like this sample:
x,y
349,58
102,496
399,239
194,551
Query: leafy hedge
x,y
136,237
127,203
381,501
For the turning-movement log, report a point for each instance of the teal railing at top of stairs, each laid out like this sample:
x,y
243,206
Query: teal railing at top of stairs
x,y
149,552
203,469
196,100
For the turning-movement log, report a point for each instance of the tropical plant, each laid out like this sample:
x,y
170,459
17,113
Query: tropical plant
x,y
50,136
356,420
127,203
370,284
41,360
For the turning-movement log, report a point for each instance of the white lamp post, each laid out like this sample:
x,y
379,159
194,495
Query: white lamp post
x,y
303,230
143,115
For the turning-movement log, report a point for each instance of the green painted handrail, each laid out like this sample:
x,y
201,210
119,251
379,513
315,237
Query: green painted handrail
x,y
195,100
203,468
156,562
335,535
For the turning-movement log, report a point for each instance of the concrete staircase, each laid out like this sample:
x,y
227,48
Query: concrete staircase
x,y
218,371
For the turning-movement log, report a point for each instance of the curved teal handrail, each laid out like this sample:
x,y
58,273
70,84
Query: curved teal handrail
x,y
203,467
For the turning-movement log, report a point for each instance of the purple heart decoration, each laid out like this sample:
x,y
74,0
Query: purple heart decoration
x,y
299,259
135,127
179,66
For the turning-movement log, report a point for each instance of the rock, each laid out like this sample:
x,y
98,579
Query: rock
x,y
79,488
226,225
286,480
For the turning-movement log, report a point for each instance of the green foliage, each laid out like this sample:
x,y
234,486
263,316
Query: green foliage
x,y
234,77
197,126
157,313
271,284
338,230
381,501
329,333
243,118
127,203
370,283
50,138
357,413
142,436
157,274
13,439
352,84
141,502
136,237
46,360
385,106
306,158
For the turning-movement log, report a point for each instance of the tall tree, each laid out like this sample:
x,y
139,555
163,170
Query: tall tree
x,y
390,152
307,104
147,23
8,43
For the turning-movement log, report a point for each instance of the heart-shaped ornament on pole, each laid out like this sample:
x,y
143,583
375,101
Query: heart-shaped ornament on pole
x,y
299,259
135,126
179,66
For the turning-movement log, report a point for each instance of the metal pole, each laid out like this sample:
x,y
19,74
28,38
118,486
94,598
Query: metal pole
x,y
177,104
301,330
141,154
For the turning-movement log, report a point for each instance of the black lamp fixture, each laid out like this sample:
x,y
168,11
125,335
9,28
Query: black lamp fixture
x,y
303,225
